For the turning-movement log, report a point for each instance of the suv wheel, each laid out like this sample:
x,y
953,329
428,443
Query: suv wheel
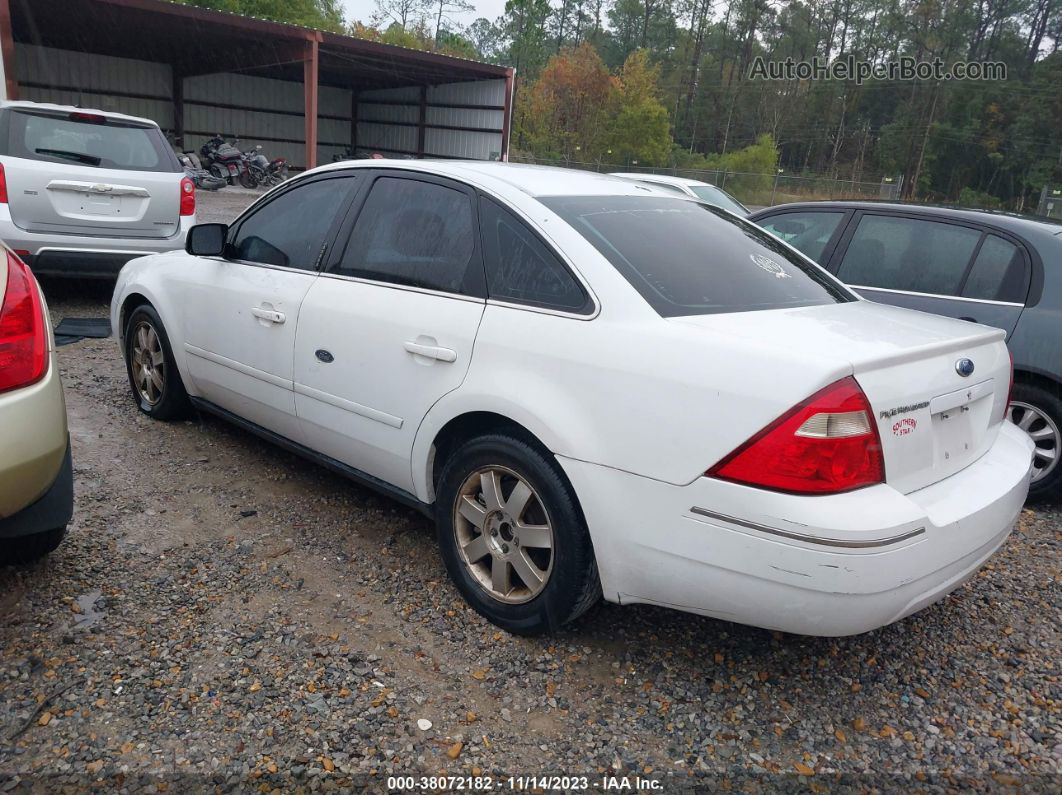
x,y
153,377
26,549
1038,412
512,536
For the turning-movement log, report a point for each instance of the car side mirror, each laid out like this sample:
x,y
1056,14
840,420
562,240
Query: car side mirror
x,y
207,240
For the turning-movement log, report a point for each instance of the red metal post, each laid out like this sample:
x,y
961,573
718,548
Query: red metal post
x,y
7,49
309,84
507,114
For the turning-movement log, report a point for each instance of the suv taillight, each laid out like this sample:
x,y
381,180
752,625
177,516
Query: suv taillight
x,y
23,336
187,196
826,444
3,185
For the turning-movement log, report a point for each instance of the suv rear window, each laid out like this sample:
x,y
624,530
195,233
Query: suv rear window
x,y
688,258
89,141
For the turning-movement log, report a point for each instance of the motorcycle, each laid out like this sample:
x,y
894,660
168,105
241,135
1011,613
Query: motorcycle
x,y
200,176
268,172
225,161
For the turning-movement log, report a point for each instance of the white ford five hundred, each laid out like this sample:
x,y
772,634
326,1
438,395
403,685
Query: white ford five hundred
x,y
594,389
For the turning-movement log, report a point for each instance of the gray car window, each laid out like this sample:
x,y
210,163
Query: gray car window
x,y
290,230
908,254
806,232
410,232
998,273
520,268
689,258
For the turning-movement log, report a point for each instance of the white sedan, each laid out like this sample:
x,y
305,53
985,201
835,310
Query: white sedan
x,y
594,389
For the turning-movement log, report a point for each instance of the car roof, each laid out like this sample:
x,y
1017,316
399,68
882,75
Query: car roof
x,y
529,179
1014,222
667,179
48,106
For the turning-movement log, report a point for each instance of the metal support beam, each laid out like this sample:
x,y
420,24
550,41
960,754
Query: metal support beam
x,y
422,120
507,114
7,51
353,121
309,85
178,106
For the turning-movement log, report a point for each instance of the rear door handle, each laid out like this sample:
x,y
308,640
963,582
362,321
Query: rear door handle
x,y
270,315
432,351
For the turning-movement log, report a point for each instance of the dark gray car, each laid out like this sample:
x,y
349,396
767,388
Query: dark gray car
x,y
992,268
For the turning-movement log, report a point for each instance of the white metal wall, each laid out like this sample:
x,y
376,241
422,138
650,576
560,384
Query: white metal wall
x,y
270,112
264,111
122,85
391,128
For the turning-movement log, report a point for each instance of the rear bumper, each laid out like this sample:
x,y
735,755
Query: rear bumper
x,y
84,255
33,440
50,512
837,565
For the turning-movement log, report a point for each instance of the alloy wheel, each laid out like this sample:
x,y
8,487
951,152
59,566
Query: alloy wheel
x,y
148,364
1044,433
504,534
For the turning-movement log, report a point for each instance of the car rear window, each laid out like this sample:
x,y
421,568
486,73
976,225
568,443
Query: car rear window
x,y
688,258
91,140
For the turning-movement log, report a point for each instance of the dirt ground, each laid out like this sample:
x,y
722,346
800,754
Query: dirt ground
x,y
224,615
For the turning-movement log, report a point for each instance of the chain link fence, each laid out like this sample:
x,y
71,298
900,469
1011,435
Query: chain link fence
x,y
753,190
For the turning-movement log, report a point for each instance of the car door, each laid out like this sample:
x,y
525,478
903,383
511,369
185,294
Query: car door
x,y
241,311
389,327
945,267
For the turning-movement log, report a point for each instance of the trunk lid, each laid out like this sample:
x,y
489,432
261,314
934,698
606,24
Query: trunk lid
x,y
90,174
932,420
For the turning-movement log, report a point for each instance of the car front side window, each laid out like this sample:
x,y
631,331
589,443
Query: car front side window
x,y
807,232
291,230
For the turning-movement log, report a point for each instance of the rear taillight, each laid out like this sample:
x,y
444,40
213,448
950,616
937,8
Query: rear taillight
x,y
3,185
23,336
827,444
88,118
187,196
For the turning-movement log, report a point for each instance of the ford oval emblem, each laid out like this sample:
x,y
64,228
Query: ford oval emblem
x,y
964,367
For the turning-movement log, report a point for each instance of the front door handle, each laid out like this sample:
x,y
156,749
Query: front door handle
x,y
270,315
432,351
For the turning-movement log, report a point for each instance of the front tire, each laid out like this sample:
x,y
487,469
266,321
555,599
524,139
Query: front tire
x,y
153,377
26,549
512,536
1038,412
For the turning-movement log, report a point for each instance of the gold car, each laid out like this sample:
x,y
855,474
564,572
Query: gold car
x,y
36,477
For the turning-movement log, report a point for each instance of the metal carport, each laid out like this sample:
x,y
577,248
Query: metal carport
x,y
198,72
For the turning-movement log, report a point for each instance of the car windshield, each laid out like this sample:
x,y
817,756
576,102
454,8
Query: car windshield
x,y
689,258
87,139
720,198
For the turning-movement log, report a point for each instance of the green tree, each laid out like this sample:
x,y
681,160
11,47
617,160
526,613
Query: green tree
x,y
321,14
640,129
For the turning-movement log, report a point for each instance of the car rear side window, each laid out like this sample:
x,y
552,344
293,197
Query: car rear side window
x,y
290,230
806,232
908,254
688,258
88,139
998,273
520,268
414,233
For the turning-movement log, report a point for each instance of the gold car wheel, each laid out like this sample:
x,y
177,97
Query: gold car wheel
x,y
504,534
148,364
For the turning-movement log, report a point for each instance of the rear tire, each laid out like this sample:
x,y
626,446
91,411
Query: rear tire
x,y
153,377
26,549
1038,411
493,490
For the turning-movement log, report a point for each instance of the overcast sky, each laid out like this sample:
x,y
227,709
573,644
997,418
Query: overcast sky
x,y
364,9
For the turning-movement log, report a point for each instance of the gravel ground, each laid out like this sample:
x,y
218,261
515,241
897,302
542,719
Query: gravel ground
x,y
226,616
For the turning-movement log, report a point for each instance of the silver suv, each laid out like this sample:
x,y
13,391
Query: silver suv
x,y
84,191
